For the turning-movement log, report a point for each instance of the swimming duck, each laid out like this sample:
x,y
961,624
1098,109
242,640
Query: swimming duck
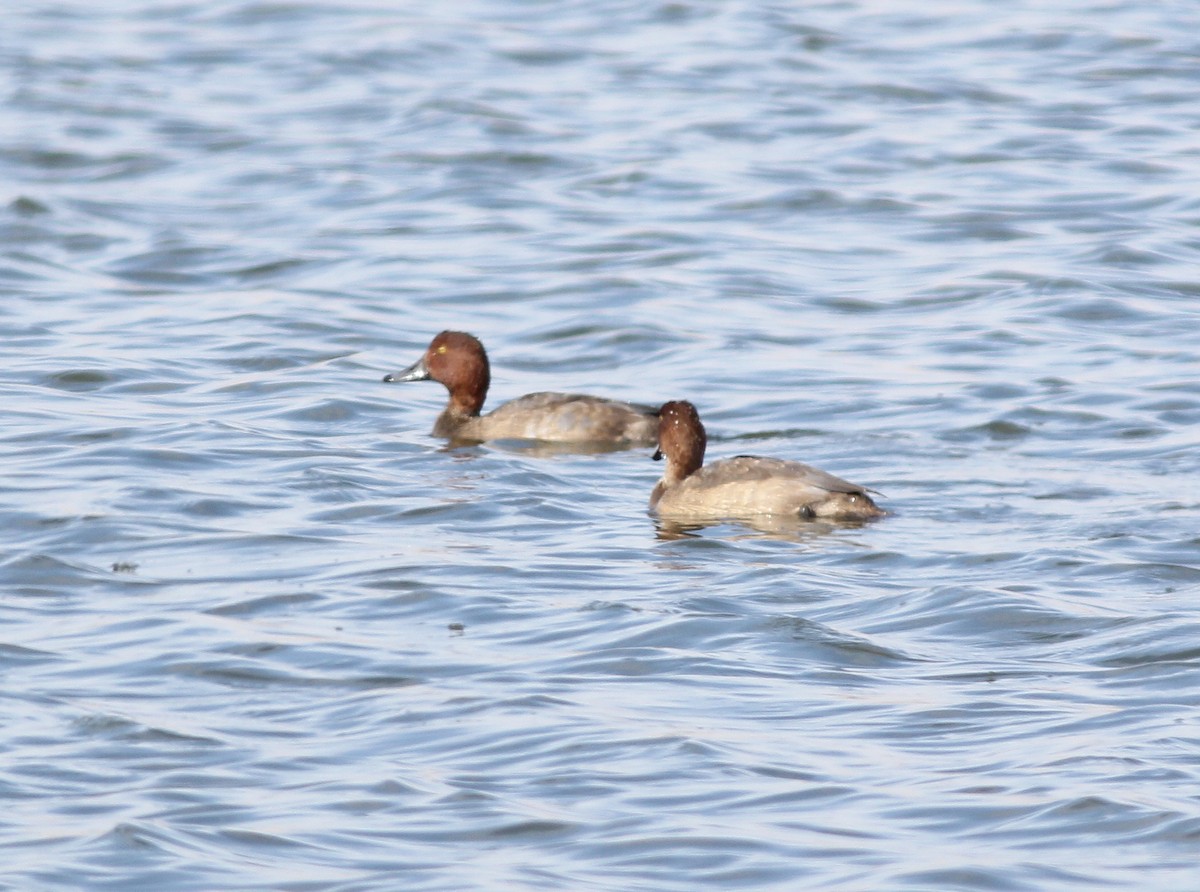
x,y
746,485
458,361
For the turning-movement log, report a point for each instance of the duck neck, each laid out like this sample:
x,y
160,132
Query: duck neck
x,y
689,461
451,423
466,401
674,473
468,387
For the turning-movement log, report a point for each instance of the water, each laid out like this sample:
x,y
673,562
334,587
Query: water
x,y
261,631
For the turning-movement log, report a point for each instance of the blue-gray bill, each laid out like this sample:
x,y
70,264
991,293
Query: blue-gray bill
x,y
418,371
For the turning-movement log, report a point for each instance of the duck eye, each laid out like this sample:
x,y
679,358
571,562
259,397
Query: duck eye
x,y
441,349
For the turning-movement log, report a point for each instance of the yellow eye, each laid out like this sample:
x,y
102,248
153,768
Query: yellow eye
x,y
441,349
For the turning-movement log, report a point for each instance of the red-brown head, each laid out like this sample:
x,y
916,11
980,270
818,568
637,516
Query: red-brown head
x,y
458,361
681,439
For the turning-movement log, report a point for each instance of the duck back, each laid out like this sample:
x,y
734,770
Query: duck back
x,y
747,485
560,417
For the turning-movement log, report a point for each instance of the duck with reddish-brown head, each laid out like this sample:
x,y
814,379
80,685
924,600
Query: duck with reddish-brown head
x,y
458,361
745,486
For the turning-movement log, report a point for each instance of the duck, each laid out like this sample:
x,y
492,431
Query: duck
x,y
745,486
458,361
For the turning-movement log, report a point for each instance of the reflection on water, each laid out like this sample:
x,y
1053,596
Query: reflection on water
x,y
784,528
262,631
548,448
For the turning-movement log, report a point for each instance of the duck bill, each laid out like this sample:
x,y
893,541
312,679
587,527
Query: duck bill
x,y
418,371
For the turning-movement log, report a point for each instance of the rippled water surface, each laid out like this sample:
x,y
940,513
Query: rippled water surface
x,y
260,630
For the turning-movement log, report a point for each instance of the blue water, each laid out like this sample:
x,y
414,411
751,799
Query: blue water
x,y
260,630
